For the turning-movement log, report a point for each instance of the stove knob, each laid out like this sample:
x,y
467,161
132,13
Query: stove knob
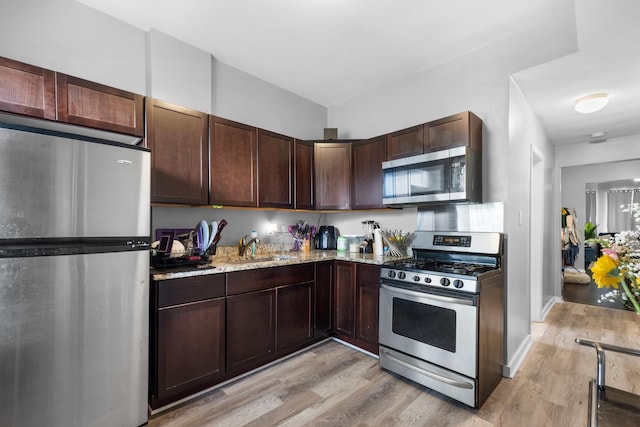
x,y
391,274
458,283
401,275
444,281
427,280
416,278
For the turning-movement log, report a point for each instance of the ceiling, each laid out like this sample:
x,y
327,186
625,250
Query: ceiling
x,y
330,51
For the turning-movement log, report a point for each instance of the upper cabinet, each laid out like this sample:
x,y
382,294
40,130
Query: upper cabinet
x,y
27,90
36,92
332,175
304,175
463,129
177,137
275,170
405,143
366,173
85,103
234,165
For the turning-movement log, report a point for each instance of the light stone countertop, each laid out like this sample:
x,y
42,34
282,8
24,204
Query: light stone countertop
x,y
225,263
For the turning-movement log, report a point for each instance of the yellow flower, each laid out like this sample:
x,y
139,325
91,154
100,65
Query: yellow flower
x,y
605,272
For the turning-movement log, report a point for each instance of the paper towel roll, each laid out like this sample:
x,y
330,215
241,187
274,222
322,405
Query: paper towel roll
x,y
377,242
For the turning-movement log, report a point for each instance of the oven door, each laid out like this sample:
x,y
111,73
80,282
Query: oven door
x,y
436,328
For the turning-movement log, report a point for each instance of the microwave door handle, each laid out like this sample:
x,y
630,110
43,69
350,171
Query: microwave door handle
x,y
433,375
451,300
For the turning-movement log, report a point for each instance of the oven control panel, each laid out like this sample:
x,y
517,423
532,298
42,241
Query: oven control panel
x,y
429,279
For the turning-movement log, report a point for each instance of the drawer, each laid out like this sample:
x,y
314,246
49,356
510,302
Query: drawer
x,y
266,278
190,289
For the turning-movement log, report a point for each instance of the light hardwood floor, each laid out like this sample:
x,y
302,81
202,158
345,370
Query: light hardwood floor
x,y
334,385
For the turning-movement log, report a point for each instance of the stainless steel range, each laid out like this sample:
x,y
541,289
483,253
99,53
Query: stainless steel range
x,y
441,314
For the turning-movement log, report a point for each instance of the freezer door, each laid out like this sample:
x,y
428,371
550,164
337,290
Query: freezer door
x,y
74,340
57,186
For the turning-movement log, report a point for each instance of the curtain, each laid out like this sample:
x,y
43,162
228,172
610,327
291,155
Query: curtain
x,y
591,198
617,219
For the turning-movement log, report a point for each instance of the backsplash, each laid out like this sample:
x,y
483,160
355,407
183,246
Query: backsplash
x,y
487,217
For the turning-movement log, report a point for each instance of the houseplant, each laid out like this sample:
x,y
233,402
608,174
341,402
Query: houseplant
x,y
589,231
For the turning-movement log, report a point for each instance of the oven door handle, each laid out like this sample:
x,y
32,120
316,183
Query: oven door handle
x,y
435,297
433,375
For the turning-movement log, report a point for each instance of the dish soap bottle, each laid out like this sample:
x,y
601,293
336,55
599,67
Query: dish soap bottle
x,y
254,236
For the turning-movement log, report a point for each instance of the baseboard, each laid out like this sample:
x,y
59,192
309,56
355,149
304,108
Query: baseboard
x,y
361,350
547,308
509,370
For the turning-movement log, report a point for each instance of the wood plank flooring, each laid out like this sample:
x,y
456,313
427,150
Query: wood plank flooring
x,y
334,385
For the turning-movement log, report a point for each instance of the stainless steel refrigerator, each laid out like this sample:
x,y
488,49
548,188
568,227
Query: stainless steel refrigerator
x,y
74,272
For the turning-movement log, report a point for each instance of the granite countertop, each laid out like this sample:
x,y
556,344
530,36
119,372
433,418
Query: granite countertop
x,y
225,263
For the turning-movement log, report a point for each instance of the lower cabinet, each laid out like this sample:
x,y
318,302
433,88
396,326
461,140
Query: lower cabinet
x,y
251,329
344,302
367,305
294,321
269,314
323,299
208,329
187,339
356,304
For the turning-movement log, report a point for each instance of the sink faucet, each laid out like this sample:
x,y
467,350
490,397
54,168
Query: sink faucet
x,y
245,243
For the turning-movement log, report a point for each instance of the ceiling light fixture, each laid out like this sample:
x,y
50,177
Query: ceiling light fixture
x,y
591,103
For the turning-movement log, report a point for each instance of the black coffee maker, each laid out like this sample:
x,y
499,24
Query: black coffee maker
x,y
366,246
327,238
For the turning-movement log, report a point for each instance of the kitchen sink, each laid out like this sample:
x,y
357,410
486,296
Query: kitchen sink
x,y
251,260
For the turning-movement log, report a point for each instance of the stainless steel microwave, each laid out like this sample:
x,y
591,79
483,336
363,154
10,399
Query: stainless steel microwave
x,y
452,175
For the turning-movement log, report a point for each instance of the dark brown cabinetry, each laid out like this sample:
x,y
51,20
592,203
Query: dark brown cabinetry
x,y
304,175
463,129
85,103
234,163
344,301
405,143
187,337
177,137
367,305
366,173
275,170
323,297
251,329
332,175
356,304
27,90
294,316
269,314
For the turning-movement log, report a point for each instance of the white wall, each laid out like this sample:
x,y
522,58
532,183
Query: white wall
x,y
525,132
65,36
239,96
177,72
